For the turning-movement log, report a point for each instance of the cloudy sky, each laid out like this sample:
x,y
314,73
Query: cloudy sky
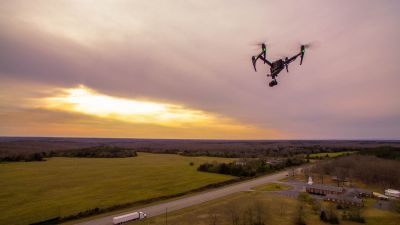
x,y
182,69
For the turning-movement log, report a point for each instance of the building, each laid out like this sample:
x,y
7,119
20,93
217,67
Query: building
x,y
321,189
345,200
392,193
310,181
274,162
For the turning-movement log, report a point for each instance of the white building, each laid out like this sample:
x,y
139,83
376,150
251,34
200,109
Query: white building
x,y
310,182
392,193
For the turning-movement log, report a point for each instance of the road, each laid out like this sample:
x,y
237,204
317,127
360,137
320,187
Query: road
x,y
173,205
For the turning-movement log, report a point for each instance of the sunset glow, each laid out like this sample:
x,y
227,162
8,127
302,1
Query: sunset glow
x,y
86,101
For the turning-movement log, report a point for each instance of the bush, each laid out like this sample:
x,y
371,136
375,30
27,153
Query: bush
x,y
299,218
397,206
322,216
354,215
315,205
329,217
305,197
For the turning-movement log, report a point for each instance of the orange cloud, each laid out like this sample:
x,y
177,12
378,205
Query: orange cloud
x,y
81,111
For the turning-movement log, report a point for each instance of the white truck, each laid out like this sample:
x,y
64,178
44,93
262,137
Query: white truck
x,y
129,217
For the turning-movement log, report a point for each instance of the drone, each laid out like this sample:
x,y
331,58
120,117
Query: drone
x,y
277,66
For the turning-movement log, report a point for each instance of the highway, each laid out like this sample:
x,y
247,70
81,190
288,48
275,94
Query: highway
x,y
199,198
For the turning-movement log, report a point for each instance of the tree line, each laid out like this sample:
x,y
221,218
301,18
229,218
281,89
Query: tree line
x,y
368,169
385,152
91,152
249,167
218,148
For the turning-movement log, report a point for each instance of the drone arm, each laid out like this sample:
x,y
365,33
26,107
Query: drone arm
x,y
292,58
260,56
264,59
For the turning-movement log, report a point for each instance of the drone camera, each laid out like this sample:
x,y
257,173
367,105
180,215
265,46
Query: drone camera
x,y
273,83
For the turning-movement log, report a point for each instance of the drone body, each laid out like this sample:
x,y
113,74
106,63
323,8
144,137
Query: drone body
x,y
277,66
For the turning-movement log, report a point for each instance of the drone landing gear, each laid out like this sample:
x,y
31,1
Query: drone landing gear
x,y
273,83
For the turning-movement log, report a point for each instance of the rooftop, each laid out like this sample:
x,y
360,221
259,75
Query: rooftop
x,y
345,198
326,187
362,191
392,191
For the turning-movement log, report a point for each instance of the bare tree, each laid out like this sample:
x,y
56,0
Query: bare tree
x,y
282,209
259,211
233,211
307,172
247,218
299,215
212,218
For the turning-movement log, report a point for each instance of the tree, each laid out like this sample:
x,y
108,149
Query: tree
x,y
259,211
212,218
248,216
322,216
233,212
299,217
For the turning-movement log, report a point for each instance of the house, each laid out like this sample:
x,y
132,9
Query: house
x,y
274,162
392,193
240,162
345,200
321,189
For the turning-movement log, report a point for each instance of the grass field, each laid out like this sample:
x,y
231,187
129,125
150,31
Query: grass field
x,y
276,209
272,187
329,154
35,191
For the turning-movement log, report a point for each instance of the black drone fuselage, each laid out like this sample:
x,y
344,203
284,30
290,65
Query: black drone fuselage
x,y
277,67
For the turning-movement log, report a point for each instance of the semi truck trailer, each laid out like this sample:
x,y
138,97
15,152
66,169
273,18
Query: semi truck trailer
x,y
129,217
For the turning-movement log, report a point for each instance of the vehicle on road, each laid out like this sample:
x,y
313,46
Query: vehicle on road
x,y
129,217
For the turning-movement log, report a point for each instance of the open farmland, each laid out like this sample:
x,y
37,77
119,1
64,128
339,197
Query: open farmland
x,y
36,191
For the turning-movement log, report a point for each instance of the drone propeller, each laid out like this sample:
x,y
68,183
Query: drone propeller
x,y
264,50
303,49
287,64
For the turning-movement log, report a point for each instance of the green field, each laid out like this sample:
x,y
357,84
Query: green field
x,y
329,154
272,187
35,191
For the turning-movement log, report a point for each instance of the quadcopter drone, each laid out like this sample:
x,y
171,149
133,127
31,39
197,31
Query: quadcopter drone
x,y
277,66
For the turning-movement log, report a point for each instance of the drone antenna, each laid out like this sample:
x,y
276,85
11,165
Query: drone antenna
x,y
286,64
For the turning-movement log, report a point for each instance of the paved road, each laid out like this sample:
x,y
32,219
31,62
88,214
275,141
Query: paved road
x,y
173,205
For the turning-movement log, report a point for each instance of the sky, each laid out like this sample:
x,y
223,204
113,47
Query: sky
x,y
182,69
